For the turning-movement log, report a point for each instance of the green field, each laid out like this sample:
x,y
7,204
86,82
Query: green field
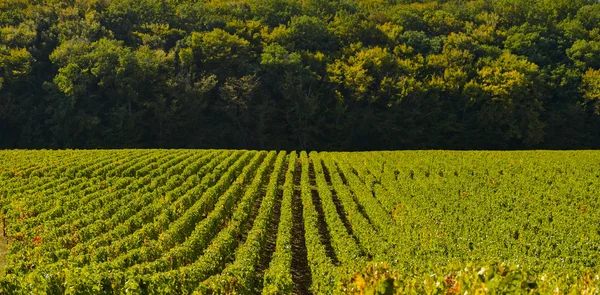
x,y
225,221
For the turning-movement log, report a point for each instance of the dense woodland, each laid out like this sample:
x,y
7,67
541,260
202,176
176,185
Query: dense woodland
x,y
300,74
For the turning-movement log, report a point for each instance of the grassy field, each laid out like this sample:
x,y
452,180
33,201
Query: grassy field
x,y
246,222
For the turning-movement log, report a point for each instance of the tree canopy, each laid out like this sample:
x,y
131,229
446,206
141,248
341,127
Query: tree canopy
x,y
300,74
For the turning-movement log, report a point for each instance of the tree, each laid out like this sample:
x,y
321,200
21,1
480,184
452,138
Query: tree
x,y
508,104
220,52
529,41
310,33
275,12
320,74
15,70
585,54
591,89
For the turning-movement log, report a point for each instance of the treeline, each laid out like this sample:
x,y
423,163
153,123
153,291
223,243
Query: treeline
x,y
300,74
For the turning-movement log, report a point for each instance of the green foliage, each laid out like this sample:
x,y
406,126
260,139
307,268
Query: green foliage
x,y
376,74
583,53
276,55
591,88
313,74
310,33
15,63
219,46
275,12
183,221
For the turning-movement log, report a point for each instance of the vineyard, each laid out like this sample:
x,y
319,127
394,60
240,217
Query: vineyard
x,y
251,222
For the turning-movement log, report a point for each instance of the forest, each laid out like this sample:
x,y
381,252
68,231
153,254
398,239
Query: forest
x,y
300,74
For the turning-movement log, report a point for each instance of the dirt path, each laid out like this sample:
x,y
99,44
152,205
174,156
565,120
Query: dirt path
x,y
301,275
272,230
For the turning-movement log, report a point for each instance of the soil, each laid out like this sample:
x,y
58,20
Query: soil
x,y
301,275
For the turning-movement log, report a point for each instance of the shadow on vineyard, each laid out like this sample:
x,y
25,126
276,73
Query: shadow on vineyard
x,y
301,273
360,207
272,229
323,231
338,206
